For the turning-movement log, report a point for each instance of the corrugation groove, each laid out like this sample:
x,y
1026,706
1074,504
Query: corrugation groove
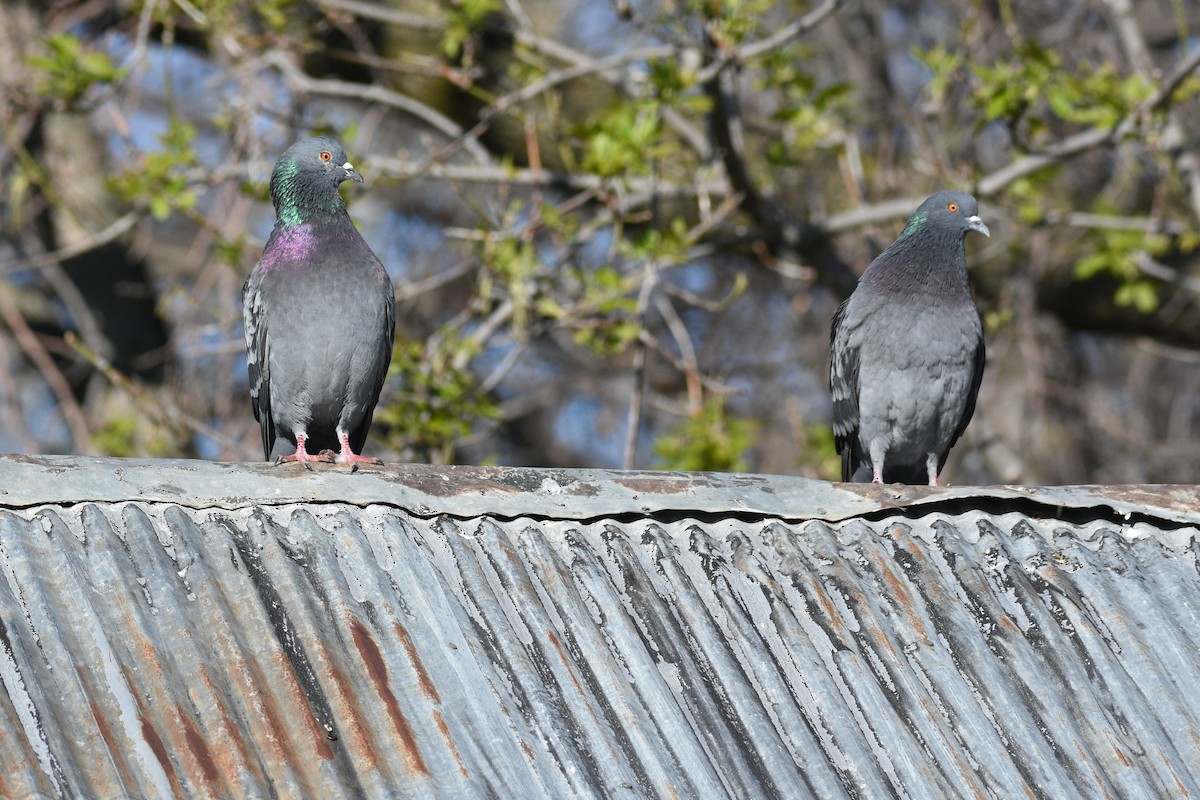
x,y
331,650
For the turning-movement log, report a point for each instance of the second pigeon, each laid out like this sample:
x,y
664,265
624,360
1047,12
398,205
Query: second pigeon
x,y
907,353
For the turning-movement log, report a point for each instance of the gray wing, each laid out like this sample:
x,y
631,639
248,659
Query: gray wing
x,y
972,395
383,359
254,317
843,386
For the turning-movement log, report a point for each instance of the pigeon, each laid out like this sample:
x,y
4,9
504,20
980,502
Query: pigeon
x,y
320,315
906,350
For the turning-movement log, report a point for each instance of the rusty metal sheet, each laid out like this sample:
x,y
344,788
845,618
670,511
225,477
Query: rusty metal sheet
x,y
174,645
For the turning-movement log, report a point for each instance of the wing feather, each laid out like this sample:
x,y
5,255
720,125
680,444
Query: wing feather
x,y
254,316
843,387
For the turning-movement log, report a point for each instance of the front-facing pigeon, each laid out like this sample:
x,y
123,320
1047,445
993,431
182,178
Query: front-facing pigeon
x,y
906,355
320,315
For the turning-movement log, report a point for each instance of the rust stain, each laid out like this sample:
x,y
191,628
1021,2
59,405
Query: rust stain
x,y
1124,759
355,728
667,484
440,721
377,669
105,733
831,612
899,590
319,737
562,656
1183,792
160,752
267,707
423,679
231,731
199,747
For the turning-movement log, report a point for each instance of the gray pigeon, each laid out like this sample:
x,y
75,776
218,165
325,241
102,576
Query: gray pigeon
x,y
320,315
907,350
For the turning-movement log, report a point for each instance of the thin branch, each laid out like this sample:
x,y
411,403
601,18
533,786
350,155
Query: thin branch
x,y
36,353
381,13
786,229
695,138
303,83
687,350
781,38
561,76
1155,269
102,237
495,173
160,407
636,401
1092,137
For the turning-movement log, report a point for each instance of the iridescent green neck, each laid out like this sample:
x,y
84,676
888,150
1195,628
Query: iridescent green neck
x,y
915,223
299,198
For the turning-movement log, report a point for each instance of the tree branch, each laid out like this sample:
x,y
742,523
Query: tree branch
x,y
303,83
28,341
781,38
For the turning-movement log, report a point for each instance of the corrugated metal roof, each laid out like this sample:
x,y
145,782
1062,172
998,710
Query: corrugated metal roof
x,y
188,628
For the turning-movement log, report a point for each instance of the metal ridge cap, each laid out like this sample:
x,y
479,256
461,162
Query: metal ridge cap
x,y
422,489
509,492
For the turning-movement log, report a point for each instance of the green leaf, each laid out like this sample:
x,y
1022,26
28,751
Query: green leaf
x,y
708,441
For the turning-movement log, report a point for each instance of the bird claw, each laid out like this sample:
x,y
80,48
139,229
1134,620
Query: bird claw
x,y
353,459
304,458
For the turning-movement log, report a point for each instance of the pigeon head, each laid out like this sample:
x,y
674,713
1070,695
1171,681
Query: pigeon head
x,y
948,212
305,181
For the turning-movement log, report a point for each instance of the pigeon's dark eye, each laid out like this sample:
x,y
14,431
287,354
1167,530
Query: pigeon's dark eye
x,y
326,155
952,208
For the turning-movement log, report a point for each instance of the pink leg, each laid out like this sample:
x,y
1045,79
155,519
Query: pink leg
x,y
301,455
348,456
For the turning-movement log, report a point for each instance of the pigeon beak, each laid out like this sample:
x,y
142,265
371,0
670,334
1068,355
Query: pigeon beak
x,y
976,224
351,172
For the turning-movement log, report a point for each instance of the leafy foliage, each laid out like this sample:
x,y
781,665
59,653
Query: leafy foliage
x,y
436,403
68,70
708,441
160,180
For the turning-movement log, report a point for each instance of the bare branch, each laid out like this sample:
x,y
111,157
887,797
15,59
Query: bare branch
x,y
303,83
108,234
781,38
381,13
28,341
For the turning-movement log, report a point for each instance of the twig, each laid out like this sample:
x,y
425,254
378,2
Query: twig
x,y
787,229
381,13
305,84
159,407
108,234
1092,137
36,353
687,350
781,38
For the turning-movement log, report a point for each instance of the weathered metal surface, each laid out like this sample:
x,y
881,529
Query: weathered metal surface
x,y
163,636
506,492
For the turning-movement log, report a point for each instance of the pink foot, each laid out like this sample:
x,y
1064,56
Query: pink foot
x,y
302,455
348,456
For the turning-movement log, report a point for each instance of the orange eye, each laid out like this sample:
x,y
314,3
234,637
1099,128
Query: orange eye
x,y
326,155
952,208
